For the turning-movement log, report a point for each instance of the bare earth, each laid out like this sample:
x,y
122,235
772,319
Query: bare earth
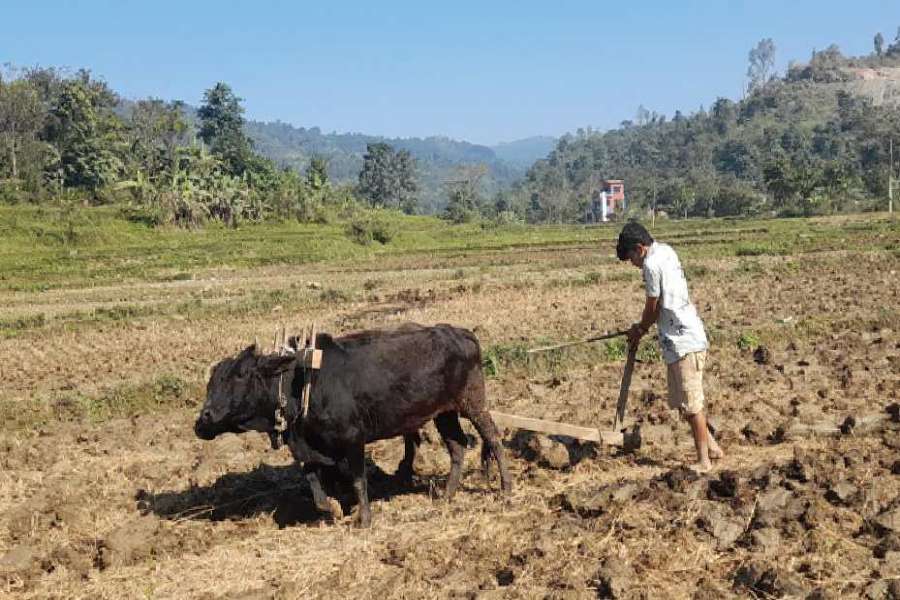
x,y
140,508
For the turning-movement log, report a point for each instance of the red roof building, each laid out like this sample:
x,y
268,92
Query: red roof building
x,y
615,194
607,203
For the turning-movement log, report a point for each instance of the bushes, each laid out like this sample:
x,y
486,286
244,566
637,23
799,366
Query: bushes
x,y
367,226
748,340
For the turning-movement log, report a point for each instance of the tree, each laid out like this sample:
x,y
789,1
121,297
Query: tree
x,y
642,116
21,118
762,63
724,115
317,173
683,200
464,193
894,48
156,130
389,178
222,128
86,133
879,44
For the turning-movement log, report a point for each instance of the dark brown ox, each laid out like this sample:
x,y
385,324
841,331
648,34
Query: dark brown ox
x,y
372,385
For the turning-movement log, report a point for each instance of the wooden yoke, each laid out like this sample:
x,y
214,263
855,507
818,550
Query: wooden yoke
x,y
311,359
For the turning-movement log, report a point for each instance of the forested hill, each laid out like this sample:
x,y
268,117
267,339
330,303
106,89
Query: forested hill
x,y
814,140
523,153
437,158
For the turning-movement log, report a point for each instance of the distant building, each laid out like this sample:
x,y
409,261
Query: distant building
x,y
607,203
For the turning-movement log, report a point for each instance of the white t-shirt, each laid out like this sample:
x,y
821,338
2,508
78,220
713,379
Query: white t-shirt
x,y
680,328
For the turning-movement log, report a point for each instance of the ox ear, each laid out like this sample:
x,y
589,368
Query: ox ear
x,y
248,351
269,366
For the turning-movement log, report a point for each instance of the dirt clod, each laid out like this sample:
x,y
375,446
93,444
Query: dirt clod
x,y
767,539
22,560
757,431
592,502
768,581
762,355
894,589
614,578
770,506
877,590
889,520
893,410
841,493
544,451
727,485
720,522
681,479
129,543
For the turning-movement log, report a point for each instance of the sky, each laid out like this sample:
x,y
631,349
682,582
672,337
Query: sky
x,y
485,72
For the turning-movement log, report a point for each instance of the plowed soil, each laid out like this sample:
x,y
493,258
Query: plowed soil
x,y
106,493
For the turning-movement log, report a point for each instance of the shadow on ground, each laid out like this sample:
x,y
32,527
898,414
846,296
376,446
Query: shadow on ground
x,y
281,491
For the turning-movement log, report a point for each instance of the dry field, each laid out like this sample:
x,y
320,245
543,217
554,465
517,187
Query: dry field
x,y
106,493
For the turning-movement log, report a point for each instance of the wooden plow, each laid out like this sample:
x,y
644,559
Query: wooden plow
x,y
618,436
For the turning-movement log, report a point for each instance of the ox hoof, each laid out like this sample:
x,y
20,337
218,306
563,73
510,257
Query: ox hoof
x,y
362,519
335,510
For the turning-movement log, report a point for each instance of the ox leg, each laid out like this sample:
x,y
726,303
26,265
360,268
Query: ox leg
x,y
411,443
490,440
357,459
320,498
455,439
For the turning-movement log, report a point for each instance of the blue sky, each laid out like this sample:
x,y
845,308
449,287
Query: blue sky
x,y
480,71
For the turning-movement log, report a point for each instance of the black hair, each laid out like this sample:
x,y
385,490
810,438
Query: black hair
x,y
632,234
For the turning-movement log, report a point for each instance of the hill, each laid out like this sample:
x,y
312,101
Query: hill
x,y
438,158
815,140
523,153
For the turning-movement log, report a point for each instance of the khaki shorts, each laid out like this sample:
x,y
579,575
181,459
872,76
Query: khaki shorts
x,y
685,378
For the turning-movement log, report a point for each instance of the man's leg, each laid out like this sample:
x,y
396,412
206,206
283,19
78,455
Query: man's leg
x,y
701,441
686,380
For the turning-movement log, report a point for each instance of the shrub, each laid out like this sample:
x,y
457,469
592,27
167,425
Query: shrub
x,y
615,349
748,340
696,271
366,227
333,296
752,250
494,358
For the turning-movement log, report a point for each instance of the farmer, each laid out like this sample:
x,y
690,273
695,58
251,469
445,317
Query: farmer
x,y
681,334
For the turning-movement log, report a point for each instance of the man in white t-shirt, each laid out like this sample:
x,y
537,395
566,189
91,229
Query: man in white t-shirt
x,y
681,334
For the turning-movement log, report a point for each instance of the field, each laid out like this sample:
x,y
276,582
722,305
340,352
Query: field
x,y
107,328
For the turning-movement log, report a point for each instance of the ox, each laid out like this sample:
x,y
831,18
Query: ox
x,y
372,385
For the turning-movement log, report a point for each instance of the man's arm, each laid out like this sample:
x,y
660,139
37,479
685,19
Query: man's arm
x,y
648,318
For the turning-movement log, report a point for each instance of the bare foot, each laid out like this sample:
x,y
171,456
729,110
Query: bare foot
x,y
716,454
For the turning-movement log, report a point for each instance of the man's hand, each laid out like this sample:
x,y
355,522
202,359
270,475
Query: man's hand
x,y
648,317
635,333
